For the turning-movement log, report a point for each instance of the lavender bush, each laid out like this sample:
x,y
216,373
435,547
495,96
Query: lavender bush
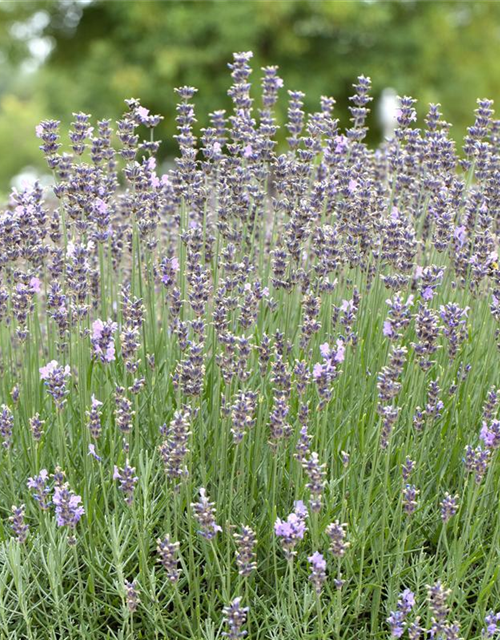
x,y
256,395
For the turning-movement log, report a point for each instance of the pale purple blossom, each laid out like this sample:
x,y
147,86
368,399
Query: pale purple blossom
x,y
204,511
318,571
68,508
103,341
55,377
292,529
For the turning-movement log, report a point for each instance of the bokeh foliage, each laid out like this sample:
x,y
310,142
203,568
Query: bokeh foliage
x,y
106,51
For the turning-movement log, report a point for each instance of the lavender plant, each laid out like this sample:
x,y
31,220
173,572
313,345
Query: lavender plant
x,y
309,333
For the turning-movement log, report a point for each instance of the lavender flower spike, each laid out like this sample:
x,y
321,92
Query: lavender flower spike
x,y
18,525
492,628
292,530
68,508
245,554
40,489
205,514
235,617
55,377
167,552
131,596
102,340
6,425
318,571
127,481
337,534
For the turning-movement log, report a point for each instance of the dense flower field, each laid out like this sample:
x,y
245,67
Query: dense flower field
x,y
257,395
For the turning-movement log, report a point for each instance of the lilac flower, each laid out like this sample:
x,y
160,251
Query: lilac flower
x,y
68,509
318,571
449,506
92,452
345,457
399,316
316,475
242,414
490,404
245,551
325,373
291,530
455,328
40,489
491,435
6,425
124,415
169,268
492,622
55,377
338,538
102,340
94,418
36,426
407,468
437,595
35,284
477,461
410,494
303,445
127,481
205,514
396,623
131,596
174,448
18,525
415,631
167,552
235,617
460,235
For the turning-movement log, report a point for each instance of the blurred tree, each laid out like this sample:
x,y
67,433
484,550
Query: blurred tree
x,y
99,52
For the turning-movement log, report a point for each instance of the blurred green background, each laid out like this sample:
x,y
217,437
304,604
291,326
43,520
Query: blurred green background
x,y
57,57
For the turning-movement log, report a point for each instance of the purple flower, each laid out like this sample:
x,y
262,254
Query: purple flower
x,y
35,284
428,293
292,529
68,508
449,507
317,370
49,369
94,418
338,538
167,552
55,377
388,330
205,514
18,525
460,235
131,595
410,494
127,481
235,617
318,571
174,449
93,453
300,508
6,425
491,435
396,623
406,601
245,551
396,620
102,340
39,489
492,622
